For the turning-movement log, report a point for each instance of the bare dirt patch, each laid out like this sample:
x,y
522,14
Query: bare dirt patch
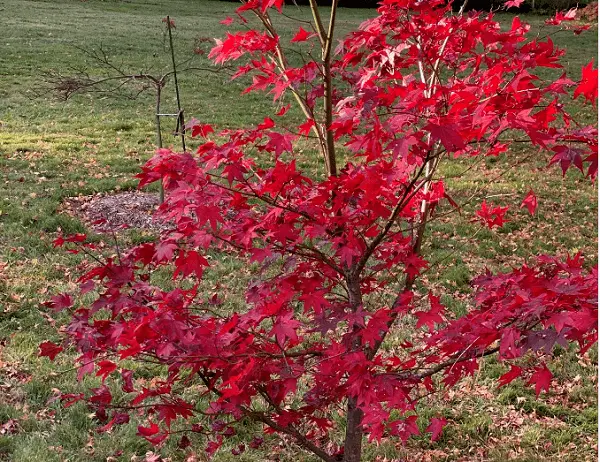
x,y
113,212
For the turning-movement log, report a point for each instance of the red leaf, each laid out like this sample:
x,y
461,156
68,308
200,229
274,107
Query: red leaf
x,y
405,428
148,432
414,264
283,110
433,316
49,349
278,143
105,369
58,242
199,129
304,129
69,399
561,16
567,156
512,374
190,262
127,378
435,427
301,35
267,123
234,46
165,251
508,343
588,87
541,378
59,302
579,29
491,216
285,328
448,135
74,238
119,418
530,202
272,3
101,395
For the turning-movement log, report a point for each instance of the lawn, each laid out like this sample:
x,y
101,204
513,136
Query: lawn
x,y
51,150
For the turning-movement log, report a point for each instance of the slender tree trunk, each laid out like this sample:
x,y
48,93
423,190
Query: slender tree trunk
x,y
328,97
326,39
354,415
354,433
330,145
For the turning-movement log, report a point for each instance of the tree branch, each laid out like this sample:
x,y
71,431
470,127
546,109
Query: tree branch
x,y
301,439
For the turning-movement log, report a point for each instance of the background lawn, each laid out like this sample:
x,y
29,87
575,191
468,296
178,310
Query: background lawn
x,y
51,150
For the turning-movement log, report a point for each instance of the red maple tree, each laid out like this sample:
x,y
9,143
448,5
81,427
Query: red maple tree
x,y
336,255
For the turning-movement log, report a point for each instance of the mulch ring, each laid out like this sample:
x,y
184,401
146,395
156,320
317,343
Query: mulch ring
x,y
588,13
105,213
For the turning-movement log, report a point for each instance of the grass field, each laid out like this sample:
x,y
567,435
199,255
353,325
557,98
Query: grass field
x,y
51,150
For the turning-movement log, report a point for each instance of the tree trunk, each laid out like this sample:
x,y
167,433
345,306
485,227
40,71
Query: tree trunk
x,y
354,415
353,440
328,134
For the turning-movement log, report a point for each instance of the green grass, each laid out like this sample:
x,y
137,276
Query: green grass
x,y
51,150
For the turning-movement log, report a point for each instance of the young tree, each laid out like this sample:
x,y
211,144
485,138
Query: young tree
x,y
116,79
336,257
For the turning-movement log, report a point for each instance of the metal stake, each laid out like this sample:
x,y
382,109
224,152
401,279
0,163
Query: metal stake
x,y
180,119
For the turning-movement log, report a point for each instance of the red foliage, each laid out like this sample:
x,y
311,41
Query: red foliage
x,y
589,83
301,36
335,258
531,202
50,350
491,216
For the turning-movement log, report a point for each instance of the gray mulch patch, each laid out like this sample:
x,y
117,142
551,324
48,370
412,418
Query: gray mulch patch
x,y
113,212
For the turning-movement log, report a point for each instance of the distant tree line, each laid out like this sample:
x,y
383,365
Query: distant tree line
x,y
542,6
